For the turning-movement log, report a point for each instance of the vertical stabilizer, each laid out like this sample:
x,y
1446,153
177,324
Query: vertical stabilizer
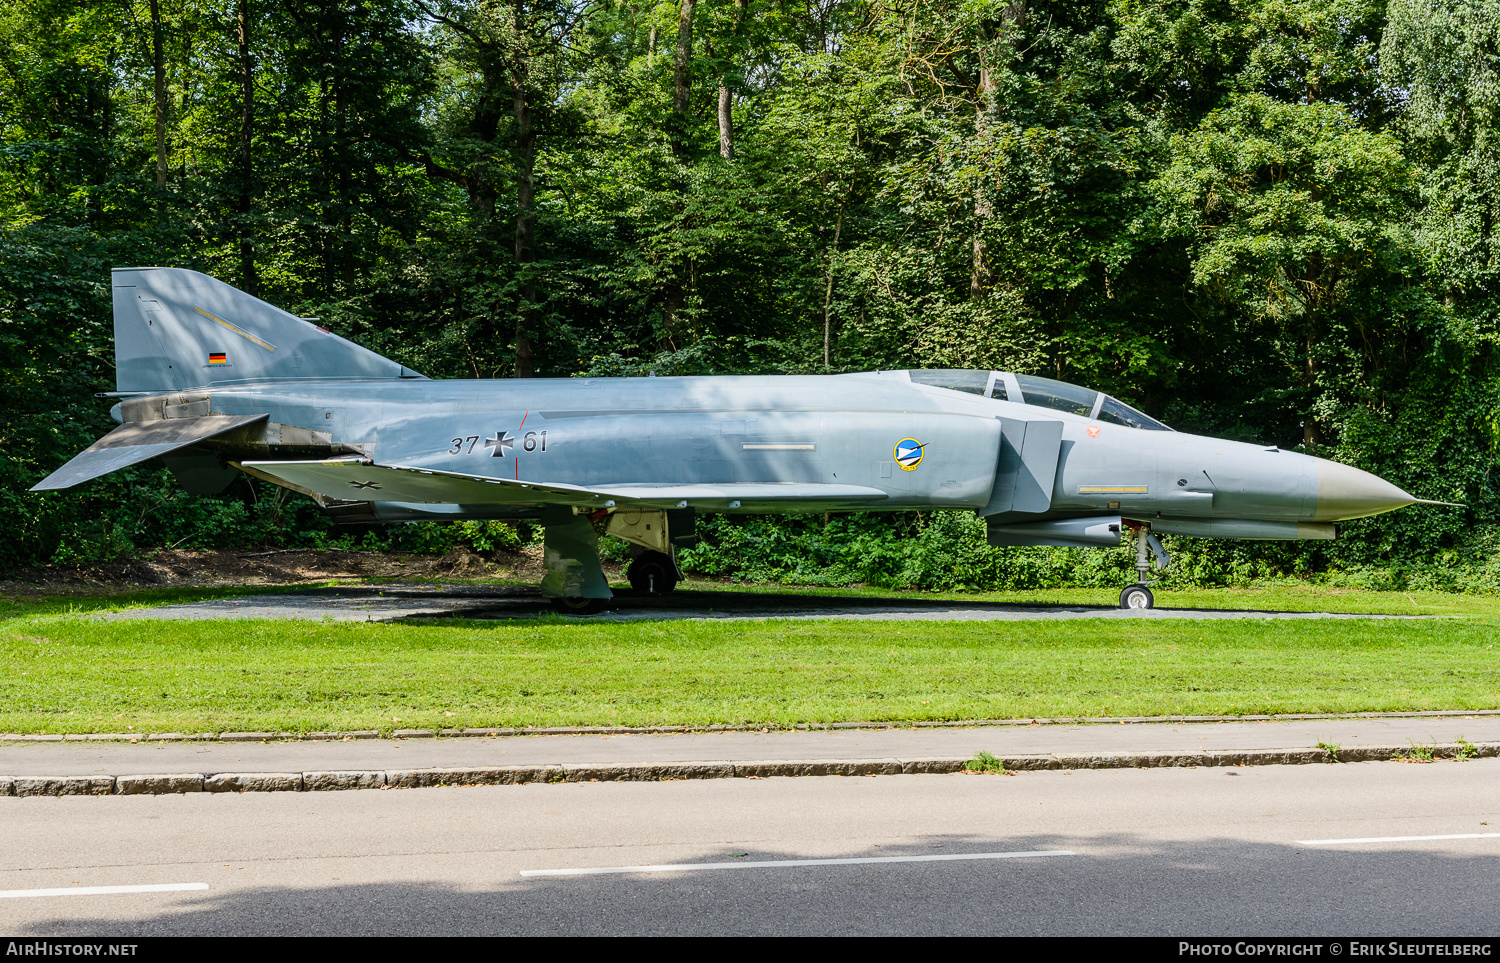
x,y
177,329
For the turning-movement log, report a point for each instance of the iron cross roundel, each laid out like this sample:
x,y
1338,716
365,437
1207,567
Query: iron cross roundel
x,y
500,445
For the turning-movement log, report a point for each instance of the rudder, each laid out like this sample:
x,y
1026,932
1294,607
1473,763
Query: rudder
x,y
177,329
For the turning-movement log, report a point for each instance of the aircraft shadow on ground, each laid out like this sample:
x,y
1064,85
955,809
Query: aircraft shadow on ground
x,y
1117,884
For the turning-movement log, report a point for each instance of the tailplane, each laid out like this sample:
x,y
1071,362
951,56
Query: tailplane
x,y
177,329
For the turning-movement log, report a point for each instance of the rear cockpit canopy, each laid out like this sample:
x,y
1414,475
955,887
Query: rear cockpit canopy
x,y
1042,392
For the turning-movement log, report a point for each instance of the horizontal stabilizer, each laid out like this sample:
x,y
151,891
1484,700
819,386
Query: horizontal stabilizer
x,y
138,441
350,479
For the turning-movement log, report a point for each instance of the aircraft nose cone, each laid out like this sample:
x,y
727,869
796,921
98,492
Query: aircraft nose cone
x,y
1347,492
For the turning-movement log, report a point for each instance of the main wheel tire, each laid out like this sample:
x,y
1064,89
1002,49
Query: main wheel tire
x,y
1136,597
578,606
653,573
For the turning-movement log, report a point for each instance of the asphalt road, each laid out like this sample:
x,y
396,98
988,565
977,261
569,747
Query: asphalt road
x,y
404,601
1179,852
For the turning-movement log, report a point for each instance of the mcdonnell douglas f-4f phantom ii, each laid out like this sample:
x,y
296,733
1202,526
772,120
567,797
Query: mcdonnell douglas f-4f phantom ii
x,y
214,382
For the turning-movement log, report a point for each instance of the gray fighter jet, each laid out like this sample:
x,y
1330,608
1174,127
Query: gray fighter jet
x,y
215,382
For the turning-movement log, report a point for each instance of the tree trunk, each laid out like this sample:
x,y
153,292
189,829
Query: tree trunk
x,y
1311,436
525,208
1012,23
249,283
726,101
489,109
159,81
346,249
682,81
726,122
833,252
979,271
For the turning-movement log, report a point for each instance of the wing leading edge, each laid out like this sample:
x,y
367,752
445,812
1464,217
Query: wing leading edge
x,y
353,479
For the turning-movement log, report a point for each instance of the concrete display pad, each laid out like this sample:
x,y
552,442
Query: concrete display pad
x,y
403,601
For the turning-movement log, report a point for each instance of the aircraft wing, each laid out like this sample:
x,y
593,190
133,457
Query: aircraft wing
x,y
352,479
667,496
138,441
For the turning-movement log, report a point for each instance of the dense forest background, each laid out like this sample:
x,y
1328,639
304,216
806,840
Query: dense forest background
x,y
1273,220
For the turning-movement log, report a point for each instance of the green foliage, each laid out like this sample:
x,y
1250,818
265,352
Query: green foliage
x,y
986,761
1271,220
1419,752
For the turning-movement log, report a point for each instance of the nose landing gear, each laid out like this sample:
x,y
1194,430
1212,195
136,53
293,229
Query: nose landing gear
x,y
1149,553
1136,597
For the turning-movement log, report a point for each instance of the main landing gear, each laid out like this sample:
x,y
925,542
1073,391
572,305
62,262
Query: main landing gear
x,y
653,573
1148,554
577,605
574,578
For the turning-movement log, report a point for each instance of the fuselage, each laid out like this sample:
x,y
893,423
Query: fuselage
x,y
922,445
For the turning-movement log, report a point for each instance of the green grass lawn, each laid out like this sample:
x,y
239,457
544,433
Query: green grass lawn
x,y
63,671
1278,596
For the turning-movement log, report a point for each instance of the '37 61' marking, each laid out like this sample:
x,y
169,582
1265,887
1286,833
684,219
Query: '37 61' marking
x,y
501,443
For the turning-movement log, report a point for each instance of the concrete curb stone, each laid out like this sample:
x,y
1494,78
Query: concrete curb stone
x,y
246,736
472,776
342,779
829,767
1038,763
937,765
62,785
253,782
327,780
159,785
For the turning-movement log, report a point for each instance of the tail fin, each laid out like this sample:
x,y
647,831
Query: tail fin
x,y
177,329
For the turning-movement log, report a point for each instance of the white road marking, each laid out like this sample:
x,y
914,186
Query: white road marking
x,y
1394,839
101,890
774,863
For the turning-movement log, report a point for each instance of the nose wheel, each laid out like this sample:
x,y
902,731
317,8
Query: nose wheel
x,y
1149,554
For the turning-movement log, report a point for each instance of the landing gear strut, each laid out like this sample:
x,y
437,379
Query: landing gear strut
x,y
1146,545
574,579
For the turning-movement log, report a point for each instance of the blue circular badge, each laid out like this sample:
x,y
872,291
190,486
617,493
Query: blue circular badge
x,y
908,454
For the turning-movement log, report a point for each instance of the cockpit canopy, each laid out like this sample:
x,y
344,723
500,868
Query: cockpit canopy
x,y
1043,392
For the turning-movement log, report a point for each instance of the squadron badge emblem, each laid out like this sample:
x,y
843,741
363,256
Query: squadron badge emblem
x,y
908,454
